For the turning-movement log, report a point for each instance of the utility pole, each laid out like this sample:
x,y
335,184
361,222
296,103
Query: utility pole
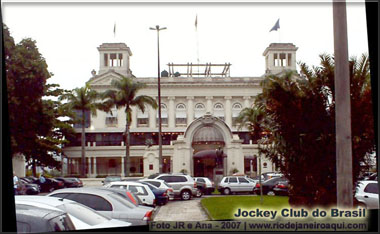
x,y
342,108
158,29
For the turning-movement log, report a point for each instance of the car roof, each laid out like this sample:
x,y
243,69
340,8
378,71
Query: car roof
x,y
82,190
52,201
125,183
158,180
38,212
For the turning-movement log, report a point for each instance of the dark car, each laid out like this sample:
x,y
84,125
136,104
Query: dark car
x,y
109,179
37,220
281,188
70,182
268,185
49,185
160,194
27,188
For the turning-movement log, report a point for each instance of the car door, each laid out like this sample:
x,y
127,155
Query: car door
x,y
371,195
142,193
245,185
233,184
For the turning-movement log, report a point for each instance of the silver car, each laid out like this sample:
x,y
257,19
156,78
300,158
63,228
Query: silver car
x,y
82,216
108,203
235,184
367,194
183,185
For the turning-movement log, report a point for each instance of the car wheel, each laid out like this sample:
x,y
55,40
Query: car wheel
x,y
199,193
226,191
271,193
185,195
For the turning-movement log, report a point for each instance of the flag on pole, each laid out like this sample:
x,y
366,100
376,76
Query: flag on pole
x,y
114,30
276,26
196,22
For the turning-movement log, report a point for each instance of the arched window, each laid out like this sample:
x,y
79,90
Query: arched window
x,y
180,115
164,115
236,109
219,111
142,118
200,110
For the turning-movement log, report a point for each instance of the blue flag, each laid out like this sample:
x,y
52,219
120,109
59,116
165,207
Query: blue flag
x,y
276,26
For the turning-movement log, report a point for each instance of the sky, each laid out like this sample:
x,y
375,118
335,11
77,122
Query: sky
x,y
68,34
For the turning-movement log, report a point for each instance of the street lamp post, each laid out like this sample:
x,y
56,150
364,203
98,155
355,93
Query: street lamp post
x,y
158,29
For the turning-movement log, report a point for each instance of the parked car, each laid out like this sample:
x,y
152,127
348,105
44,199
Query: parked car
x,y
183,185
82,216
70,182
208,185
49,185
367,194
27,188
161,195
270,175
235,184
162,185
108,203
109,179
131,197
142,191
268,186
373,176
281,188
39,220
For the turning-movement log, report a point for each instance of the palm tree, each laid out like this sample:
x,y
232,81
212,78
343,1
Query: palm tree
x,y
82,99
254,119
124,95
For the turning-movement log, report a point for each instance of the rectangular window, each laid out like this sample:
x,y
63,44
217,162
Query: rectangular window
x,y
87,119
121,60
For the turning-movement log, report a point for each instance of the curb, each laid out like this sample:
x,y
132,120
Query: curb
x,y
206,211
156,210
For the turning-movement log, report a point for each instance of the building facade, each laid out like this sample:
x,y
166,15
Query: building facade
x,y
198,107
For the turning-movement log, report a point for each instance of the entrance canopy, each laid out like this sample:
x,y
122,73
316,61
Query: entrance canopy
x,y
207,154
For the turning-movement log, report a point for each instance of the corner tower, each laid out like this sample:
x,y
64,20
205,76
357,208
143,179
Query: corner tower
x,y
114,56
280,57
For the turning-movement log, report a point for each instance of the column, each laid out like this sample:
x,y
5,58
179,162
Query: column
x,y
171,114
228,111
89,165
209,104
190,109
122,166
152,117
247,101
95,174
134,117
68,166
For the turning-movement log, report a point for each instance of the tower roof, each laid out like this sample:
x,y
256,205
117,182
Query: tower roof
x,y
115,46
280,47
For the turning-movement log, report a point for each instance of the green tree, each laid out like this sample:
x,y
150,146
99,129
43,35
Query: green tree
x,y
81,100
301,112
37,132
124,95
26,75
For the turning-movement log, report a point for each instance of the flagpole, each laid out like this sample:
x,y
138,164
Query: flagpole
x,y
196,29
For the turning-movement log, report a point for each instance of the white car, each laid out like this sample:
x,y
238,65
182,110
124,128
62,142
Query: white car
x,y
82,216
161,184
367,194
142,191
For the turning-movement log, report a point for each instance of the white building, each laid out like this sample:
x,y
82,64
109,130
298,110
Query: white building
x,y
199,105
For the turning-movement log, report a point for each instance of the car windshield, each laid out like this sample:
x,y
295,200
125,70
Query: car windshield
x,y
113,178
84,213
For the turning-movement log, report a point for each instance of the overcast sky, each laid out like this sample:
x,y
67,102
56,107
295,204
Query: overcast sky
x,y
68,34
